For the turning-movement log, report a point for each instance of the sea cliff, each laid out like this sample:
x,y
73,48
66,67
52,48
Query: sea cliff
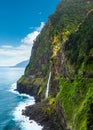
x,y
65,48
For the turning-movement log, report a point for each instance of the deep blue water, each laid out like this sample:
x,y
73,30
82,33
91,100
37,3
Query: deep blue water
x,y
12,103
9,100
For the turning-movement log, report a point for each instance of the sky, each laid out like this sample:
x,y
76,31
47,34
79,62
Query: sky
x,y
20,23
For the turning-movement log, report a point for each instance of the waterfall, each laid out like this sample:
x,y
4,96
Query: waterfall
x,y
47,89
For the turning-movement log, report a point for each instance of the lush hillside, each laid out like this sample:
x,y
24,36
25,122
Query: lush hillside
x,y
64,47
76,92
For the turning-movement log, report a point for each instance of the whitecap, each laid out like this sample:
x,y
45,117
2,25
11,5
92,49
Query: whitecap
x,y
13,90
25,123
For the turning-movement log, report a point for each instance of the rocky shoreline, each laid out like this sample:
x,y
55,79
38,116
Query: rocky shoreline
x,y
30,90
65,48
37,113
50,116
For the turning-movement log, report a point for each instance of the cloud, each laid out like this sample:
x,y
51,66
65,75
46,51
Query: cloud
x,y
10,55
31,28
40,13
40,28
7,46
29,39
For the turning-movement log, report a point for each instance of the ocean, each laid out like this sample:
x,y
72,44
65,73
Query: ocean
x,y
12,103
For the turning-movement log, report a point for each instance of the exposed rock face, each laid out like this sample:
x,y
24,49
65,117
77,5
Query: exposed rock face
x,y
50,122
30,90
64,47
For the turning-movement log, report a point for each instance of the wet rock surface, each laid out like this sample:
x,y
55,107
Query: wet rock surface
x,y
38,113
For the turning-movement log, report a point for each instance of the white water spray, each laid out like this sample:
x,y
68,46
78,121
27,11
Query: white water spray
x,y
47,89
25,123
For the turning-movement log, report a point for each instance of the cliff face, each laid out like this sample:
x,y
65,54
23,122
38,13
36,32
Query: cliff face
x,y
64,47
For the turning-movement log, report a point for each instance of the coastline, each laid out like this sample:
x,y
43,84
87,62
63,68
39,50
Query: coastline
x,y
25,122
35,112
38,113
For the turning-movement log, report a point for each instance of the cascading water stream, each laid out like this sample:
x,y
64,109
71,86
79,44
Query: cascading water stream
x,y
47,89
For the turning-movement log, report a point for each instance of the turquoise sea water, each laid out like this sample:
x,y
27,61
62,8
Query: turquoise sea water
x,y
12,103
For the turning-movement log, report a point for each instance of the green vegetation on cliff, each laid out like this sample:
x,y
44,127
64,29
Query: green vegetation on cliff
x,y
80,44
76,93
65,47
75,97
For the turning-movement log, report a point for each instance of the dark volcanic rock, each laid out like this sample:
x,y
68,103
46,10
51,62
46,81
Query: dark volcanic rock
x,y
30,90
38,113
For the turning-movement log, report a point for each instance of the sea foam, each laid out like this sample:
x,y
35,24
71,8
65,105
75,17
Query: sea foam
x,y
13,90
25,123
